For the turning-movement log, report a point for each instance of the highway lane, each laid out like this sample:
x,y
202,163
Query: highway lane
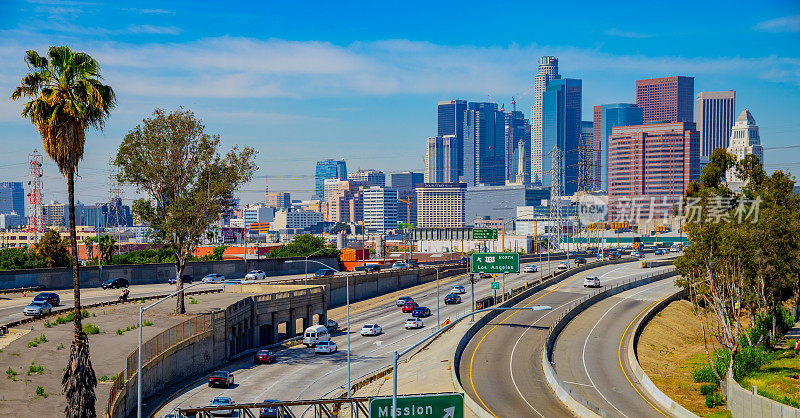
x,y
590,353
300,374
500,367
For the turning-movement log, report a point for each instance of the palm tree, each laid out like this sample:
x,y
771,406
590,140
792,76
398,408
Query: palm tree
x,y
67,97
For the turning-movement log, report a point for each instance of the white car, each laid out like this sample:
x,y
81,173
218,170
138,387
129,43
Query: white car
x,y
591,282
255,275
563,265
413,323
530,268
371,329
214,278
325,347
458,289
638,254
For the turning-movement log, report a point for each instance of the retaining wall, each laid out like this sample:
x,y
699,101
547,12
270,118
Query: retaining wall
x,y
745,404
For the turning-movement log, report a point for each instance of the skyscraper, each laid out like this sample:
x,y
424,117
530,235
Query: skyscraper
x,y
404,183
561,127
441,159
484,145
328,169
515,132
744,140
12,197
606,117
715,116
666,99
371,177
548,70
406,180
452,120
380,209
278,200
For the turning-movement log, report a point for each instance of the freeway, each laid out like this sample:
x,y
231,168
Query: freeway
x,y
501,366
300,374
591,352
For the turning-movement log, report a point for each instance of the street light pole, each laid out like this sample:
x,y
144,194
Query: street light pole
x,y
306,264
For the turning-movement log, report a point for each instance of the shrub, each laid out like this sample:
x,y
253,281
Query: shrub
x,y
84,313
104,378
33,343
34,369
707,389
91,329
748,360
60,346
704,374
47,323
42,339
192,302
147,323
11,373
119,331
40,392
61,320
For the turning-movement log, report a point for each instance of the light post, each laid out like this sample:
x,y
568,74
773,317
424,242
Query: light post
x,y
397,355
139,351
306,257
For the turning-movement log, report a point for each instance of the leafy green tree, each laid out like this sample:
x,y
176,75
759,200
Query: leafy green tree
x,y
88,242
340,227
52,250
19,258
67,97
171,158
218,251
304,245
107,248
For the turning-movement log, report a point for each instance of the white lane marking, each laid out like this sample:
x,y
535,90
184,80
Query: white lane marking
x,y
576,383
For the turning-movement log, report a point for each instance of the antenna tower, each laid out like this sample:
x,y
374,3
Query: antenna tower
x,y
556,192
35,186
116,217
585,178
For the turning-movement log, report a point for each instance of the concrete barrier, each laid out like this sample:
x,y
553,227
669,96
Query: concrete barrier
x,y
745,404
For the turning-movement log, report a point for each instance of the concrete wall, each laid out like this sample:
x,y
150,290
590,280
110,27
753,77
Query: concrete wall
x,y
61,278
744,404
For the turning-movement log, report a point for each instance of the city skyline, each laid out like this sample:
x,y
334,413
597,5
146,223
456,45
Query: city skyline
x,y
372,86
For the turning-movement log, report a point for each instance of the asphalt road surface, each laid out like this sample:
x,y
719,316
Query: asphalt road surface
x,y
501,366
300,374
591,352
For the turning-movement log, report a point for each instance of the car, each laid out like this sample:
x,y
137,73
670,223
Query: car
x,y
409,307
314,334
265,356
638,254
675,248
236,281
452,298
222,401
37,308
464,260
399,265
255,275
371,329
616,254
214,278
412,263
269,411
114,283
220,378
591,282
563,265
530,268
660,251
580,260
458,289
413,323
369,268
486,276
331,325
186,279
324,272
421,312
52,298
402,300
325,347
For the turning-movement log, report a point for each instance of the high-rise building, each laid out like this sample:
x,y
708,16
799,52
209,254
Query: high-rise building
x,y
12,198
715,116
57,214
649,167
279,200
380,209
517,137
607,117
484,145
406,180
442,159
95,215
440,205
561,127
744,140
369,176
434,155
666,99
548,70
344,200
405,183
452,120
328,169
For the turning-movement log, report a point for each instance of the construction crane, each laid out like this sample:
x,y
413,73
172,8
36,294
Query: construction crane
x,y
408,210
495,102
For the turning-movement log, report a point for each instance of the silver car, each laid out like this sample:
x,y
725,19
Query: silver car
x,y
37,308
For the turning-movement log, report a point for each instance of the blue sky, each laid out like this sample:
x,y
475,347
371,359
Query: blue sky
x,y
360,80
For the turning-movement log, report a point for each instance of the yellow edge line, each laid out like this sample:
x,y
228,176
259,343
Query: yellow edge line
x,y
619,357
472,359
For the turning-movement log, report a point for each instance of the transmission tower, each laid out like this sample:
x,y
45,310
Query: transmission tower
x,y
116,217
35,186
585,179
556,192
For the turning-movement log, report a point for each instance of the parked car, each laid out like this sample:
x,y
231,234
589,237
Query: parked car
x,y
421,312
52,298
37,308
452,298
222,401
114,283
530,268
325,347
409,307
186,279
265,356
458,289
371,329
591,282
402,300
214,278
324,272
220,378
580,260
269,411
563,265
413,323
331,325
255,275
399,265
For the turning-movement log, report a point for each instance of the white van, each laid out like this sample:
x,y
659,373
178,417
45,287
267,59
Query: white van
x,y
314,334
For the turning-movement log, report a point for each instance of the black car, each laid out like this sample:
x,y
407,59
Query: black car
x,y
269,411
580,260
369,268
115,283
186,279
52,298
452,298
324,272
412,263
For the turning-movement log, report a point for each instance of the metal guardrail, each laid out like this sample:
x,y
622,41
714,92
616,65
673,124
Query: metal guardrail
x,y
322,408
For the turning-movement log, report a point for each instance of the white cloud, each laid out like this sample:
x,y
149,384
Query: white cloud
x,y
627,34
150,29
781,24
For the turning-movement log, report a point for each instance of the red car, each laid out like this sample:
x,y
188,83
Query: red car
x,y
264,356
409,307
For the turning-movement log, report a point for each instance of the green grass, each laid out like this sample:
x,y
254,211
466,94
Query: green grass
x,y
11,373
147,323
91,329
774,379
35,369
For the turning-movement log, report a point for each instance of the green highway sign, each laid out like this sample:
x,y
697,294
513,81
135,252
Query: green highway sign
x,y
450,405
495,263
484,233
495,285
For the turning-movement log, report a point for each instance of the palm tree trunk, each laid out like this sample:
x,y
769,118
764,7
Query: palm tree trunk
x,y
73,245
